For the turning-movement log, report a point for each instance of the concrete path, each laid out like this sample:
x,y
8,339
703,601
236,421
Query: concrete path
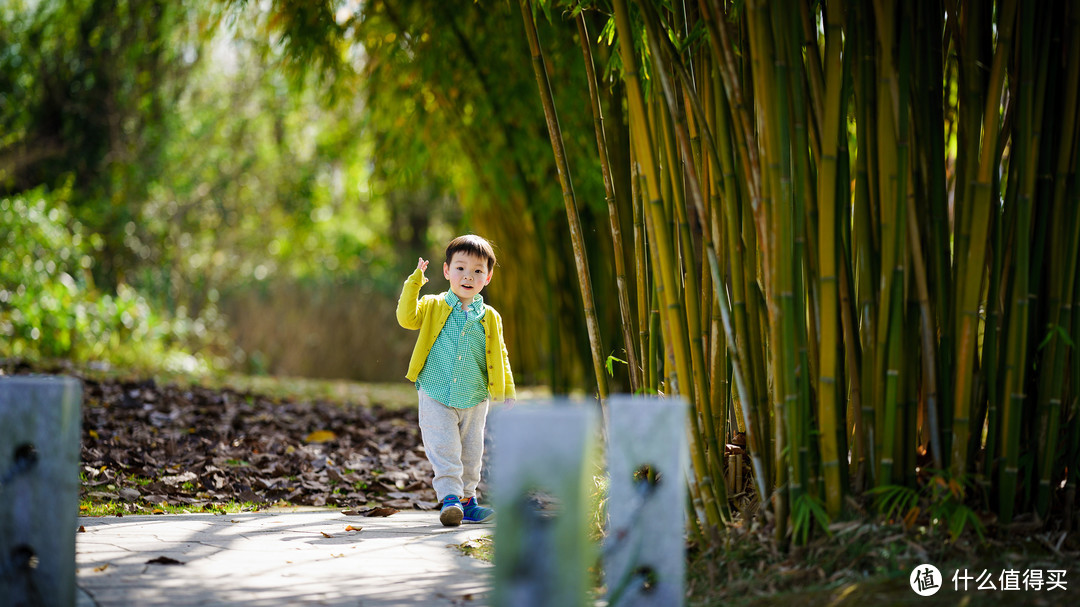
x,y
291,558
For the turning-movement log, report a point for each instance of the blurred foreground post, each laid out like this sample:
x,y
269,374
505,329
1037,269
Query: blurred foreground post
x,y
541,470
39,489
645,550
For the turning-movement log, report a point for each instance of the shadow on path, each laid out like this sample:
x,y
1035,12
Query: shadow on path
x,y
276,559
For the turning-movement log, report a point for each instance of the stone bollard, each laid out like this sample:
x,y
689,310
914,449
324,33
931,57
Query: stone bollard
x,y
542,464
39,489
644,553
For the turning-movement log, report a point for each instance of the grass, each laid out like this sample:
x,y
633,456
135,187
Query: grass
x,y
482,548
866,563
94,507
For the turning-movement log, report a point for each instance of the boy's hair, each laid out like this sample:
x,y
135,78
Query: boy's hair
x,y
471,244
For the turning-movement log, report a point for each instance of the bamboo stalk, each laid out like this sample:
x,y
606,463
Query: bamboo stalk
x,y
613,209
864,239
657,223
740,334
569,201
1063,271
828,395
644,294
1029,131
804,295
693,316
974,256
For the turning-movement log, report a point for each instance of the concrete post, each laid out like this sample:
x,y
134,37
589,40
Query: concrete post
x,y
542,454
39,489
644,553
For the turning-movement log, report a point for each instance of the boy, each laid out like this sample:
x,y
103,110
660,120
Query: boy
x,y
458,364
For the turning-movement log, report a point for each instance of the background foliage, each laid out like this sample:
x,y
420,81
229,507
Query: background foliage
x,y
272,170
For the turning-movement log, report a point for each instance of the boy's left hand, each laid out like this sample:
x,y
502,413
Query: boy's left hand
x,y
422,265
508,404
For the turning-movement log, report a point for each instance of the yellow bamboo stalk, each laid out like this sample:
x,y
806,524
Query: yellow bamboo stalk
x,y
971,285
829,402
570,202
651,185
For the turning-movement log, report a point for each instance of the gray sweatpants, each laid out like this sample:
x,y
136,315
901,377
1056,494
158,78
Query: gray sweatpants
x,y
454,442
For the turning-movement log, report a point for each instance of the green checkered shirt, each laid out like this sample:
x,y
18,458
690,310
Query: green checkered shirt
x,y
455,373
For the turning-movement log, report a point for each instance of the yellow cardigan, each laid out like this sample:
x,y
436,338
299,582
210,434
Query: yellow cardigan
x,y
429,314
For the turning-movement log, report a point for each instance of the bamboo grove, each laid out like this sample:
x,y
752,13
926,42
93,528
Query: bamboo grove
x,y
856,227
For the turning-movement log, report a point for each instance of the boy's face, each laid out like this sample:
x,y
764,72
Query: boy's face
x,y
468,275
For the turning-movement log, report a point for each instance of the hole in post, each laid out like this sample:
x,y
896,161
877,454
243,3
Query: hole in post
x,y
647,578
536,512
646,478
23,557
25,456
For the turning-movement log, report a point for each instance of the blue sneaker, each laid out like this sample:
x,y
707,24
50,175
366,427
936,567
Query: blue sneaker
x,y
475,513
451,511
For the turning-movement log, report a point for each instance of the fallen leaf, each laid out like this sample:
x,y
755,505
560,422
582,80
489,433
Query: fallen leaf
x,y
320,436
352,513
325,534
102,567
351,528
82,529
164,560
158,511
196,444
337,556
381,512
129,495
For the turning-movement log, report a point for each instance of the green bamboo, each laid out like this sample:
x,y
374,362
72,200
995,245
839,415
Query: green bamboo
x,y
701,390
829,405
742,132
770,85
569,201
841,296
973,257
644,294
988,409
974,100
613,208
675,337
891,177
1029,129
864,239
1063,270
740,335
787,29
852,424
935,205
815,77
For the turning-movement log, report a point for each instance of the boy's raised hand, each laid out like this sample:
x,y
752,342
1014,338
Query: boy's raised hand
x,y
421,265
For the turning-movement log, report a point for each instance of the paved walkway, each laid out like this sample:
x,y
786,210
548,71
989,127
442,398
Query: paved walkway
x,y
291,558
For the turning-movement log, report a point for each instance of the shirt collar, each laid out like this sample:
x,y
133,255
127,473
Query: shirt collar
x,y
453,301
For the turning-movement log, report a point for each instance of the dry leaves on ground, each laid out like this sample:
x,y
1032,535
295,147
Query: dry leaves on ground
x,y
200,446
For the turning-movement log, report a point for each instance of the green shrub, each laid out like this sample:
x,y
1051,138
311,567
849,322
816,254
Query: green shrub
x,y
50,308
